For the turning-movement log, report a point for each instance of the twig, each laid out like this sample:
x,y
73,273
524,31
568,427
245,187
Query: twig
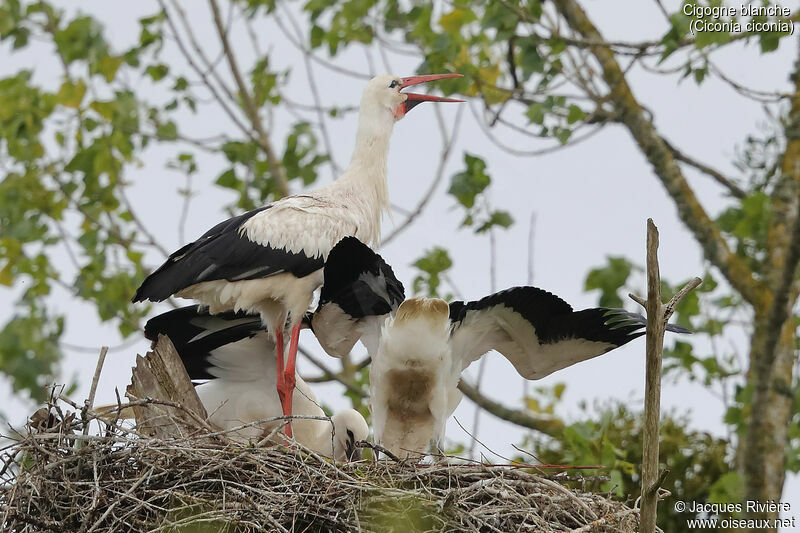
x,y
716,175
329,375
378,448
447,146
89,404
653,489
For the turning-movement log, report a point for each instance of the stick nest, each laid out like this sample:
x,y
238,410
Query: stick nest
x,y
58,479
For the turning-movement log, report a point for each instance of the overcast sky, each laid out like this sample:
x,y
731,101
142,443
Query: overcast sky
x,y
590,201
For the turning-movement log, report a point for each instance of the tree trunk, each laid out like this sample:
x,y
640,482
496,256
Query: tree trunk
x,y
772,351
762,458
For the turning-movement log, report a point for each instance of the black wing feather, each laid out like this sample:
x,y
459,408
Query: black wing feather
x,y
359,281
537,306
554,320
183,325
223,252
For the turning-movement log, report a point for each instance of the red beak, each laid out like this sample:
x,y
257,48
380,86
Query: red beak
x,y
414,99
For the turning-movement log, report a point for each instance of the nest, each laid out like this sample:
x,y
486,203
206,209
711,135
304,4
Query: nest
x,y
56,478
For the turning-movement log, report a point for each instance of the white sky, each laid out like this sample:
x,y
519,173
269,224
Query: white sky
x,y
590,201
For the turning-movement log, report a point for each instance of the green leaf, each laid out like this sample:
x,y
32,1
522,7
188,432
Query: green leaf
x,y
574,114
535,113
467,184
82,39
71,94
433,264
453,21
531,60
168,131
108,67
609,280
316,36
157,72
562,134
727,489
700,74
228,180
498,218
104,108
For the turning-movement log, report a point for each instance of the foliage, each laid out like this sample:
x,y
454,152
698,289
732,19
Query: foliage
x,y
67,150
610,434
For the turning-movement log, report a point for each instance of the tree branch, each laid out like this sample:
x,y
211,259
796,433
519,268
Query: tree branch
x,y
549,426
329,375
250,107
633,116
716,175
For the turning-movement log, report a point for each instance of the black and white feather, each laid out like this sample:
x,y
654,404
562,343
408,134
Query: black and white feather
x,y
538,332
225,252
360,290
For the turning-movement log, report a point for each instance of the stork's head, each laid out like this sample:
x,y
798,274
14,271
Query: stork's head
x,y
349,427
383,94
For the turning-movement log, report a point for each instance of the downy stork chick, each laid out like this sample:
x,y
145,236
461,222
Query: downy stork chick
x,y
412,387
234,353
269,260
424,349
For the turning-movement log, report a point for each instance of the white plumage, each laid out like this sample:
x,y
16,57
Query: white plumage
x,y
413,378
268,261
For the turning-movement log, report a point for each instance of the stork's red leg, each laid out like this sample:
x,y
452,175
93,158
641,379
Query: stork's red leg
x,y
289,374
282,390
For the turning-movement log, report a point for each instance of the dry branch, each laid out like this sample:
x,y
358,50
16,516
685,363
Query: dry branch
x,y
658,315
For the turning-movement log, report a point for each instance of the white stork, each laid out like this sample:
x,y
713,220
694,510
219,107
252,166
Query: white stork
x,y
425,347
234,352
269,260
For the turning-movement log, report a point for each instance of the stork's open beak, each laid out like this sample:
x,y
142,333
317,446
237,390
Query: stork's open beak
x,y
414,99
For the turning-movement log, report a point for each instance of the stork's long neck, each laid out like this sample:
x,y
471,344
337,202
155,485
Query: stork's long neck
x,y
367,170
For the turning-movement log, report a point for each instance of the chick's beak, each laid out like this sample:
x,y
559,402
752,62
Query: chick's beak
x,y
352,452
414,99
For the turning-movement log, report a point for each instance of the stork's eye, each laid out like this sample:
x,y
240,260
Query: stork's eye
x,y
394,84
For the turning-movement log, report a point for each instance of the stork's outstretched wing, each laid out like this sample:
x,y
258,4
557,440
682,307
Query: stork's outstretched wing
x,y
539,332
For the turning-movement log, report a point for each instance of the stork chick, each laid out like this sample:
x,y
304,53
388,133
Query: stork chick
x,y
236,355
424,349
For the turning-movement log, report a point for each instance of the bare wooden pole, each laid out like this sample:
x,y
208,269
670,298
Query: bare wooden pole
x,y
652,388
657,317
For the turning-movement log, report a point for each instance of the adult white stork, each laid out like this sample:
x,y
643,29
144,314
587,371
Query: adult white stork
x,y
234,352
425,347
269,260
